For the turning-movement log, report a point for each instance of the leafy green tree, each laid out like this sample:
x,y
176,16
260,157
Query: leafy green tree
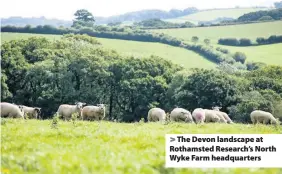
x,y
207,41
207,88
240,57
266,100
267,77
195,39
83,18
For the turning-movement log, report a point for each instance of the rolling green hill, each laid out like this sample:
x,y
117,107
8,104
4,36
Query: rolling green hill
x,y
210,15
177,55
270,54
251,31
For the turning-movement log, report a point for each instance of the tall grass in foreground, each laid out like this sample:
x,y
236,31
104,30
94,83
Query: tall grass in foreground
x,y
32,146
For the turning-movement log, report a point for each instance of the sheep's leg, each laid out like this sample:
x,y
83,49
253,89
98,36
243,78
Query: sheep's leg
x,y
265,121
253,121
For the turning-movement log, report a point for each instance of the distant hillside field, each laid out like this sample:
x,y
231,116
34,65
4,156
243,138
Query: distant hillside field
x,y
270,54
14,36
177,55
214,14
251,31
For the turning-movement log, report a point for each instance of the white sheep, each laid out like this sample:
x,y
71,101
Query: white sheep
x,y
156,114
181,115
258,116
225,115
94,112
66,110
11,110
211,116
199,115
31,112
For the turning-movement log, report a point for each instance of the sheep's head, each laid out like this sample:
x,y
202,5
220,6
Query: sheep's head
x,y
80,105
275,121
21,107
37,112
216,108
102,108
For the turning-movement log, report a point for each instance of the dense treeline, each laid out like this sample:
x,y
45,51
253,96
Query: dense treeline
x,y
247,42
43,73
159,24
46,74
275,14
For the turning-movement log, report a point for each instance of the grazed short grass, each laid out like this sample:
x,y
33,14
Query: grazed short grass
x,y
251,31
5,36
177,55
32,146
269,54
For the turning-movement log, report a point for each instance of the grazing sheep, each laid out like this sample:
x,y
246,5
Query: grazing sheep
x,y
66,110
225,115
156,114
94,112
259,116
11,110
211,116
181,115
31,112
199,115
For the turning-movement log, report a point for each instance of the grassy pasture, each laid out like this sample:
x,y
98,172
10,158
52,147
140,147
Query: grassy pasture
x,y
177,55
251,31
32,146
209,15
269,54
15,36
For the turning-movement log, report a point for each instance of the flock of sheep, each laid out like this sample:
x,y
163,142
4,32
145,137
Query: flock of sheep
x,y
64,111
199,115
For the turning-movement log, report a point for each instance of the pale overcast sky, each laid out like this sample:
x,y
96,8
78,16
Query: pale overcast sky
x,y
64,9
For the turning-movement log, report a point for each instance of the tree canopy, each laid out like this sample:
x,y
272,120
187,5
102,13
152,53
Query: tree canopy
x,y
83,18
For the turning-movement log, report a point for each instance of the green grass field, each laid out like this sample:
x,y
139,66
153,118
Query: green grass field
x,y
15,36
269,54
251,31
177,55
214,14
32,146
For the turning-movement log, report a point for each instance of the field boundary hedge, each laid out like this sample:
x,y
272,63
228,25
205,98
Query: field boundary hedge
x,y
142,36
273,39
